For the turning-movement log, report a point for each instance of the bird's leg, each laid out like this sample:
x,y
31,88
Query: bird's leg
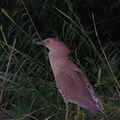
x,y
78,112
66,100
67,110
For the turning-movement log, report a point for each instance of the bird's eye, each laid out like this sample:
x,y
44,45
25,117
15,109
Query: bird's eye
x,y
47,42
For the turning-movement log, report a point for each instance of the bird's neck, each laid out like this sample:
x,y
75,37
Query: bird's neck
x,y
57,62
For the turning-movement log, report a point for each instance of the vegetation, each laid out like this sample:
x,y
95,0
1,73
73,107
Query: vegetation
x,y
28,90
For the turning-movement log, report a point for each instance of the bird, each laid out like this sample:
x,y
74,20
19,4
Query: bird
x,y
71,82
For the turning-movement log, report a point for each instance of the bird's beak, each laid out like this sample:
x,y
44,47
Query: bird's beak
x,y
40,43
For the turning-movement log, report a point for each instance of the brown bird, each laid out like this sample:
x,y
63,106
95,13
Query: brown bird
x,y
71,82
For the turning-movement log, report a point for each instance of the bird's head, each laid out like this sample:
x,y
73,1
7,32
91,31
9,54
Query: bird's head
x,y
54,44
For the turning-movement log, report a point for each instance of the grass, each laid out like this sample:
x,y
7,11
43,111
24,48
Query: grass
x,y
30,92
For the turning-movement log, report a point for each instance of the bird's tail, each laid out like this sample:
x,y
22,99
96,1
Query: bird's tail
x,y
99,105
96,100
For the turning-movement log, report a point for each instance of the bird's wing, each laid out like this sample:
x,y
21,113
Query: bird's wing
x,y
68,87
83,78
73,82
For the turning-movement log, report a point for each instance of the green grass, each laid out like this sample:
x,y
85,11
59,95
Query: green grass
x,y
30,92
